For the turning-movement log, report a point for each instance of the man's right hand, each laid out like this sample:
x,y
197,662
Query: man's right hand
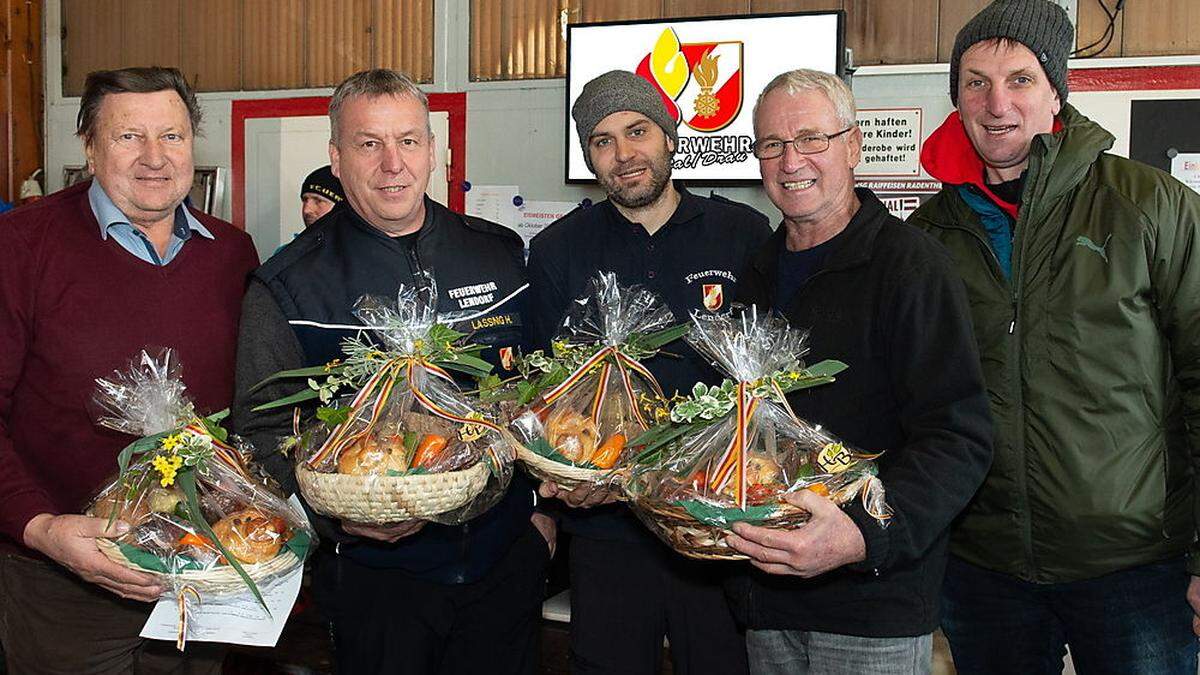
x,y
386,533
582,497
70,541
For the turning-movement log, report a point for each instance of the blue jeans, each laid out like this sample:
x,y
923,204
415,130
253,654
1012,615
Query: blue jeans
x,y
798,652
1132,622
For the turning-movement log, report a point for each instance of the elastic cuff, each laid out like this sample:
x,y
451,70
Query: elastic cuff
x,y
874,536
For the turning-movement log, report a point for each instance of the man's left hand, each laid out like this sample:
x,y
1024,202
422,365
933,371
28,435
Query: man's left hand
x,y
827,541
1193,598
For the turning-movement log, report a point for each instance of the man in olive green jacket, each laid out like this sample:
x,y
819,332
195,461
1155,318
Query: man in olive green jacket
x,y
1083,273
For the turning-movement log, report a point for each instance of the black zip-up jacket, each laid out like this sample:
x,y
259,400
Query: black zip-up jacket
x,y
691,260
888,303
318,277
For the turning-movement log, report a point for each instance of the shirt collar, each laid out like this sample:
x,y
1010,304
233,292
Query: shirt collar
x,y
689,208
107,215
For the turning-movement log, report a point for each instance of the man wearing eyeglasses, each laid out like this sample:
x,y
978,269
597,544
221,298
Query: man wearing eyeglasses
x,y
846,593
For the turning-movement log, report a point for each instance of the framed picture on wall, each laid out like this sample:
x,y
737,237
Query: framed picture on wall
x,y
207,193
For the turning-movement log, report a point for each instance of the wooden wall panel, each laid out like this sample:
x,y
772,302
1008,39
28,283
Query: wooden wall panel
x,y
92,29
273,44
337,40
952,16
404,37
518,39
21,90
885,31
212,45
794,5
681,8
1091,22
150,33
1161,28
589,11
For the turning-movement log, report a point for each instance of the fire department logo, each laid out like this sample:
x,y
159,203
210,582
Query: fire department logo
x,y
700,82
506,358
713,297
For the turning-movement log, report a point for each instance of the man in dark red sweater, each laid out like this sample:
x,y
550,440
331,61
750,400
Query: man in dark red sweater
x,y
90,276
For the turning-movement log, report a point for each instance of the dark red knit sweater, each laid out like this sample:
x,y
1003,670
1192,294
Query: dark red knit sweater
x,y
73,308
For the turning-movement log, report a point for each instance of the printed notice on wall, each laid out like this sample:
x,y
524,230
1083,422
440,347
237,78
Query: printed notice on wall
x,y
1185,167
891,142
902,197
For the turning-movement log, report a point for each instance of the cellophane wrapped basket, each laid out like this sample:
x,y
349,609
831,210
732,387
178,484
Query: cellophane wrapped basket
x,y
200,518
593,395
408,444
731,452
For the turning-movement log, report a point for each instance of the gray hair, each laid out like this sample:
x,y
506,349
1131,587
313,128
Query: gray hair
x,y
373,84
803,79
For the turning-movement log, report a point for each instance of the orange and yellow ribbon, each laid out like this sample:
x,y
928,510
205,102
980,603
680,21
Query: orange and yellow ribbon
x,y
608,356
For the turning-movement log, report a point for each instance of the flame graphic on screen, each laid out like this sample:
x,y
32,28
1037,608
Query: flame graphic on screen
x,y
706,71
667,64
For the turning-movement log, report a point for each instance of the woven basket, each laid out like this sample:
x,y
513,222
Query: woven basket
x,y
219,580
378,500
565,476
694,539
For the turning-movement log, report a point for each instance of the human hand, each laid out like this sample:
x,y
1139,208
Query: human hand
x,y
390,533
70,540
1193,598
548,529
581,497
830,539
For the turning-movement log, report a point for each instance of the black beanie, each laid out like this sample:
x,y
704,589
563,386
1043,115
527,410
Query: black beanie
x,y
323,183
1040,25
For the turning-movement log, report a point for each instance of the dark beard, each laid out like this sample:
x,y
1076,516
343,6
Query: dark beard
x,y
660,176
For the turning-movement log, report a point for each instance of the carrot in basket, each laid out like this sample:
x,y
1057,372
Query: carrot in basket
x,y
428,449
609,451
193,539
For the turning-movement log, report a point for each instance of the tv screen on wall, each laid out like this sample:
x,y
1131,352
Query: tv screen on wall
x,y
709,73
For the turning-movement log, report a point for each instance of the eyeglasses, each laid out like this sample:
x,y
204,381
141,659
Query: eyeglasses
x,y
813,143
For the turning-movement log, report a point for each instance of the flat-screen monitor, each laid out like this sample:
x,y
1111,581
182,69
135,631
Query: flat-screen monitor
x,y
709,72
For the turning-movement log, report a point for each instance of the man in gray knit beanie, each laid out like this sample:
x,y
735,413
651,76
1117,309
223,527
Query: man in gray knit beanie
x,y
1081,271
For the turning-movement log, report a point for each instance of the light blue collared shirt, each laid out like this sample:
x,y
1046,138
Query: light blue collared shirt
x,y
116,224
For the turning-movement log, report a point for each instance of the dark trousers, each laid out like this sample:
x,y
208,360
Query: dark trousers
x,y
51,621
384,621
1132,622
626,597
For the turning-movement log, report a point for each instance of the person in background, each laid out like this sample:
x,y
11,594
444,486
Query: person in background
x,y
1083,271
319,193
92,275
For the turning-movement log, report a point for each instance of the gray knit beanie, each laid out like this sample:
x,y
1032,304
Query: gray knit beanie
x,y
617,91
1040,25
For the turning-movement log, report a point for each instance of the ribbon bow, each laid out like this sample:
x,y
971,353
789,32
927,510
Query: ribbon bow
x,y
607,358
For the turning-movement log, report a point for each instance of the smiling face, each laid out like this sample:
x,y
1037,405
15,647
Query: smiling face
x,y
808,189
384,156
1004,100
141,154
631,157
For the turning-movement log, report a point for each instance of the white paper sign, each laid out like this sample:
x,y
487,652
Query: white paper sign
x,y
236,619
891,142
533,217
493,202
1186,168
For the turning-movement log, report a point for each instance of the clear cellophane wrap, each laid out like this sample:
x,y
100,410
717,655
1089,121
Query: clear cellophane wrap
x,y
578,432
738,448
200,518
410,444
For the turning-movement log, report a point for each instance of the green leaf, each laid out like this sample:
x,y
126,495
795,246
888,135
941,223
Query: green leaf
x,y
138,447
298,397
826,368
723,517
149,561
469,367
656,340
311,371
542,447
218,417
299,544
187,483
333,417
215,430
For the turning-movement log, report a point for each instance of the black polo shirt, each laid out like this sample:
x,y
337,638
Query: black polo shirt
x,y
692,262
697,255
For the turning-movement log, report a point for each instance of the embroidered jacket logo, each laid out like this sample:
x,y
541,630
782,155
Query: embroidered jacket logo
x,y
713,297
1100,249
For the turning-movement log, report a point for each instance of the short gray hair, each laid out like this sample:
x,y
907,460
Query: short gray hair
x,y
803,79
373,84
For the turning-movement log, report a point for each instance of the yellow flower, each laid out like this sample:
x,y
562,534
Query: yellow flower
x,y
167,467
173,441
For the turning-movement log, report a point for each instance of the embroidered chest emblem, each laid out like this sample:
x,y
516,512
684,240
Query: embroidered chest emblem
x,y
714,297
1099,249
